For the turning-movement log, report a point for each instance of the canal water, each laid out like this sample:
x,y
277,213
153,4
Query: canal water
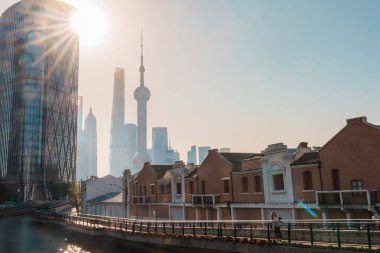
x,y
24,234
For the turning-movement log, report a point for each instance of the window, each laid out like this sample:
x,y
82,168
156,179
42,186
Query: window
x,y
335,179
179,188
307,180
169,189
357,185
278,182
244,184
203,187
226,186
257,180
152,189
162,189
191,186
144,190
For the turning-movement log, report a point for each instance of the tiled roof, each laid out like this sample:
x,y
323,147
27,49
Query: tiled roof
x,y
193,173
160,170
307,158
237,158
104,197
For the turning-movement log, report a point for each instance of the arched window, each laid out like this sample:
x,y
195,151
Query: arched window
x,y
191,186
335,179
307,180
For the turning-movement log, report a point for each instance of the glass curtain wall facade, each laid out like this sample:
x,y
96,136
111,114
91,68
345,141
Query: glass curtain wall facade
x,y
38,99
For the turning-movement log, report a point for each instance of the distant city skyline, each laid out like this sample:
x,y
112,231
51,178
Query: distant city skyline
x,y
237,74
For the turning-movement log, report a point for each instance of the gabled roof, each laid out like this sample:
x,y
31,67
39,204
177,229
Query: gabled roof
x,y
160,170
237,158
193,173
104,197
307,158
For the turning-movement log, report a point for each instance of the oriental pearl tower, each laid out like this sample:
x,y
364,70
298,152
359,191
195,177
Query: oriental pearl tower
x,y
142,95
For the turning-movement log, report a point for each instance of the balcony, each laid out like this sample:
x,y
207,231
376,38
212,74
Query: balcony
x,y
345,198
206,199
140,199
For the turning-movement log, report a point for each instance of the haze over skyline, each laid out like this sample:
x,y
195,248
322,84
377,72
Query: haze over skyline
x,y
237,74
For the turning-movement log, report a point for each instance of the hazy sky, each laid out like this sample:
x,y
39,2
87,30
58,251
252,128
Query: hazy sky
x,y
237,74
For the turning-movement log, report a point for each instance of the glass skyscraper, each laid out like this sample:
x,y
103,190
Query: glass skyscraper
x,y
38,99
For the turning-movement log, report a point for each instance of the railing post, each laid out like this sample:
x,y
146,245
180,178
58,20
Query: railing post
x,y
183,228
369,237
155,228
173,228
163,225
133,227
193,229
251,232
235,230
268,231
338,235
289,238
311,234
148,227
205,228
140,227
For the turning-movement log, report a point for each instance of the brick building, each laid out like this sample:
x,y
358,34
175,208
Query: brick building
x,y
338,181
343,178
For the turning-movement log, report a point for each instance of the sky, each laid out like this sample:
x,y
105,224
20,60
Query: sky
x,y
240,74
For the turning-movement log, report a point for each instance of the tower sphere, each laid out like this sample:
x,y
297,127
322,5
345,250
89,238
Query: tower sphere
x,y
142,93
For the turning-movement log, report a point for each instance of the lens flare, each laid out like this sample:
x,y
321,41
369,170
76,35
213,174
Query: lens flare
x,y
300,203
89,23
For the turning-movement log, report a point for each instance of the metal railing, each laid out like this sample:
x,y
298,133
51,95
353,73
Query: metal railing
x,y
333,233
205,199
346,197
141,199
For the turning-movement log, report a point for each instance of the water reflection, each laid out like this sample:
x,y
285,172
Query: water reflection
x,y
23,234
73,249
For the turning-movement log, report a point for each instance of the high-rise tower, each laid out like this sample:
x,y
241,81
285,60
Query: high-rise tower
x,y
118,161
39,60
142,95
159,144
91,145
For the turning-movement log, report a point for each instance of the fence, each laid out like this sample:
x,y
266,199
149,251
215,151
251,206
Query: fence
x,y
334,233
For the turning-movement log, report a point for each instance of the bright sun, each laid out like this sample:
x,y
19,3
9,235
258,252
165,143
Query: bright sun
x,y
89,23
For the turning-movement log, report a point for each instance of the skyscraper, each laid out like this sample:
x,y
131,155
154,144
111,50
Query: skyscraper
x,y
159,144
142,95
192,155
202,153
91,146
81,172
118,161
38,98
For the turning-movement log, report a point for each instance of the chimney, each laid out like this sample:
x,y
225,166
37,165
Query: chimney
x,y
303,145
356,121
212,151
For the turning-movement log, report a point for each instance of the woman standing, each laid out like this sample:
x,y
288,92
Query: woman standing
x,y
276,225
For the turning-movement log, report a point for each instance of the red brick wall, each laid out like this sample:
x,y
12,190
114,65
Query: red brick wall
x,y
302,214
248,213
297,177
355,151
251,197
212,170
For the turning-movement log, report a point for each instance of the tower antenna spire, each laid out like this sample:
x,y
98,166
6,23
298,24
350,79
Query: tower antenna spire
x,y
142,47
142,69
